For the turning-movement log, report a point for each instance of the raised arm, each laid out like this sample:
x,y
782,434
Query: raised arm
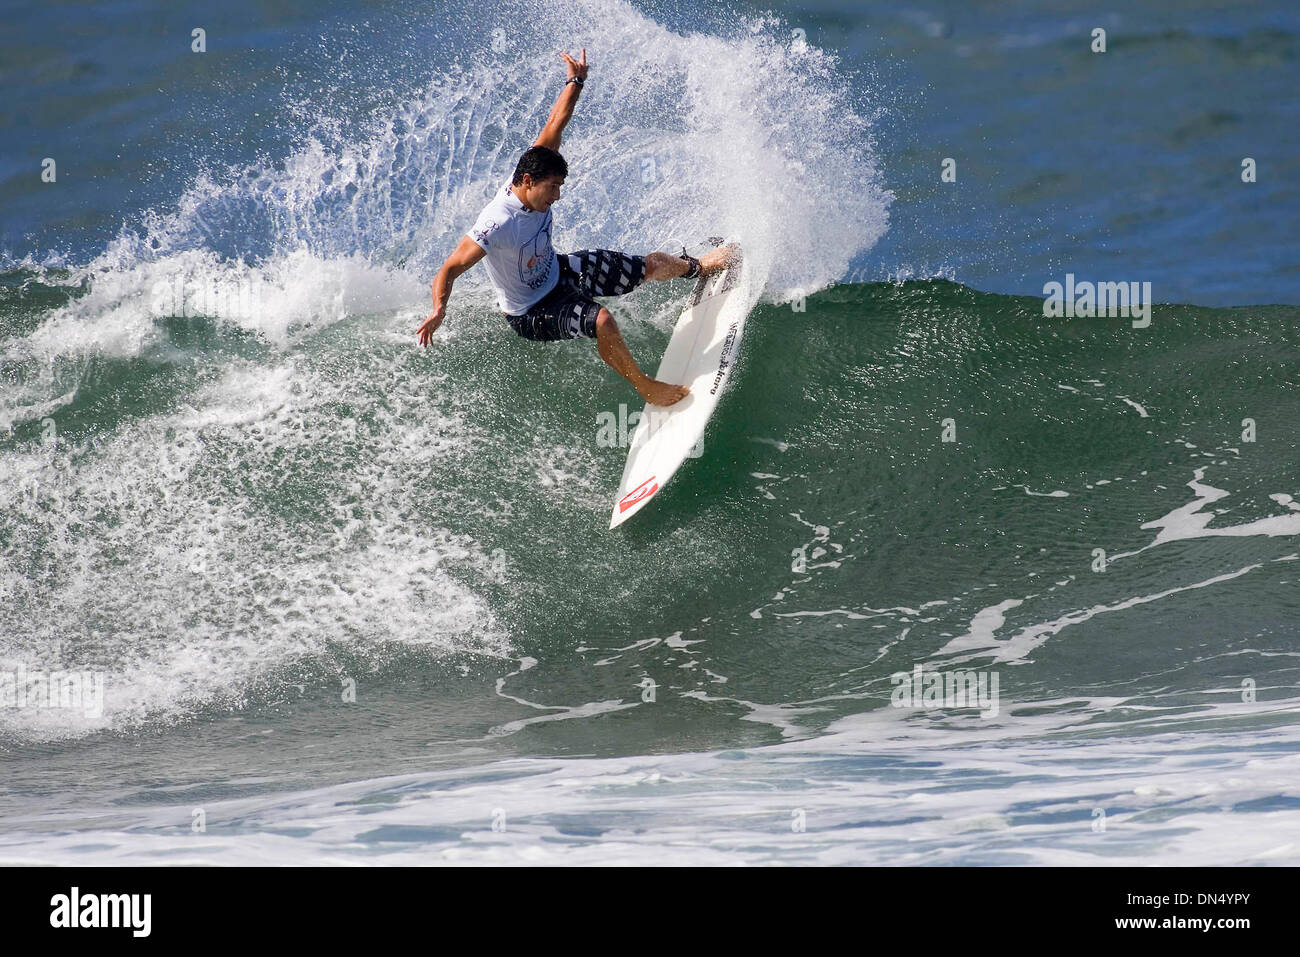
x,y
462,258
562,111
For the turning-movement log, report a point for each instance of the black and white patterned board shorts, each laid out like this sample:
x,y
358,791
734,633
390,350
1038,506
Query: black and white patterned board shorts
x,y
568,311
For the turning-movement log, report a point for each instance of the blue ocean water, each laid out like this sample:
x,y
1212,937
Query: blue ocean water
x,y
347,600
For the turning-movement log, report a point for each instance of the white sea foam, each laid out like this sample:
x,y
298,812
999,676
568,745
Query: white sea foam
x,y
880,788
167,572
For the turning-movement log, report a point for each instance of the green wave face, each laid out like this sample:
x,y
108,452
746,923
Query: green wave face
x,y
899,474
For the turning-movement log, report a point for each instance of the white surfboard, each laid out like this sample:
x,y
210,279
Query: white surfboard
x,y
700,354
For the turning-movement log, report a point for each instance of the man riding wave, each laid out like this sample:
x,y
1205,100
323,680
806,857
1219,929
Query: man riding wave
x,y
547,296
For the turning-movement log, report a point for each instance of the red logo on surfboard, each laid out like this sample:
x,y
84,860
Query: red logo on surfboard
x,y
642,491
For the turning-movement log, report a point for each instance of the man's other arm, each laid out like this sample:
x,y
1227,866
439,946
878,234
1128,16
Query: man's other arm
x,y
462,258
562,111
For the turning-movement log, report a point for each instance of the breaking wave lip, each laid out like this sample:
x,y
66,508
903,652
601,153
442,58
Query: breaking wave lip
x,y
647,169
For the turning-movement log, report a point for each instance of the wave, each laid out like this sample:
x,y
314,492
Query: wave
x,y
225,442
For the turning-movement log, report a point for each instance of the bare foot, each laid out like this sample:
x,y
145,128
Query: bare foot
x,y
662,393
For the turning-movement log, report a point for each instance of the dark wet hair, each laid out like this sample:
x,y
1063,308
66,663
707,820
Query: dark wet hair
x,y
540,163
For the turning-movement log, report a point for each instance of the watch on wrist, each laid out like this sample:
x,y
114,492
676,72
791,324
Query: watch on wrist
x,y
574,79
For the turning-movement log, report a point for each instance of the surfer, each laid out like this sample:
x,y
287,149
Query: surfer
x,y
545,296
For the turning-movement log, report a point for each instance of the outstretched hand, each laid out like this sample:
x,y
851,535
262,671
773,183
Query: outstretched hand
x,y
576,68
429,327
